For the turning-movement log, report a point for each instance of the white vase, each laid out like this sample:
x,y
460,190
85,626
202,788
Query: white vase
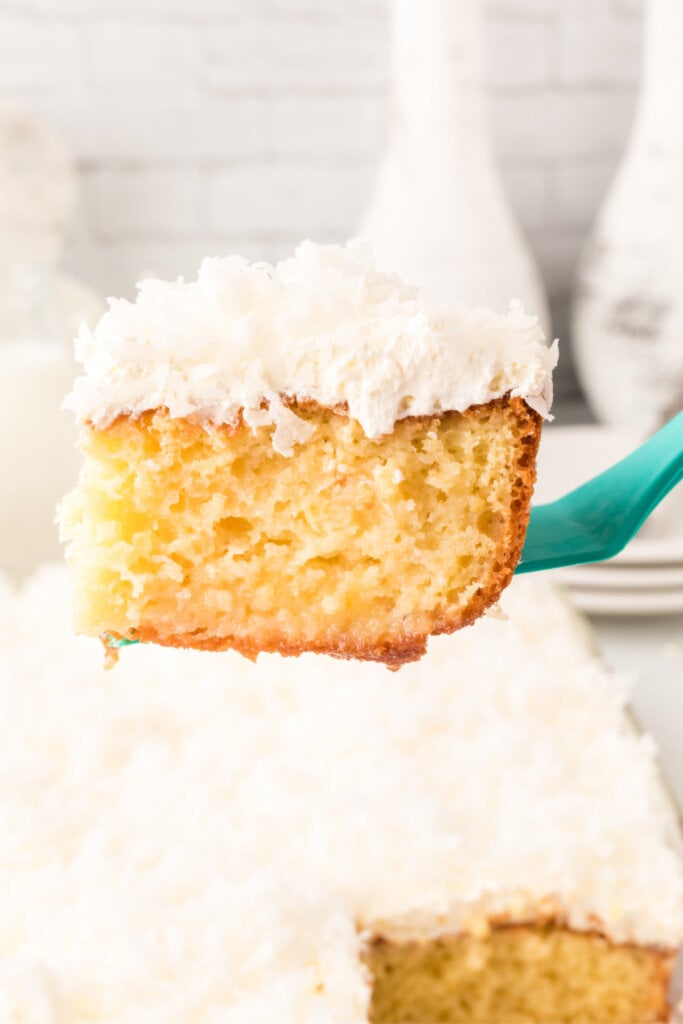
x,y
440,216
628,313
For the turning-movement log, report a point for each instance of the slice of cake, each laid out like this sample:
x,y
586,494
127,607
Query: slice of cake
x,y
301,458
481,839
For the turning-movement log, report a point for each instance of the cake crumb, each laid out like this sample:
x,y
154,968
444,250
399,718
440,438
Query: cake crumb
x,y
496,612
111,654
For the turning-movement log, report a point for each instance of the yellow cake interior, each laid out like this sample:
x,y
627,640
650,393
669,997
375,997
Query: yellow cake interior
x,y
205,536
540,974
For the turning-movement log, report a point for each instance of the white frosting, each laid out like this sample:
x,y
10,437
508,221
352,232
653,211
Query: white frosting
x,y
324,325
192,838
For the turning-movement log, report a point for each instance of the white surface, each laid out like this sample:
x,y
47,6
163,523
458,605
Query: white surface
x,y
568,456
660,551
620,575
641,602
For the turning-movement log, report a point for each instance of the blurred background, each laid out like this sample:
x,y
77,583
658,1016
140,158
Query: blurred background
x,y
489,149
245,125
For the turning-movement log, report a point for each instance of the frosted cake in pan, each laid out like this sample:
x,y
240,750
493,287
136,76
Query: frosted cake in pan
x,y
480,838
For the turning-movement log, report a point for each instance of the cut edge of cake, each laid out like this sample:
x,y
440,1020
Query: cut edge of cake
x,y
500,973
361,488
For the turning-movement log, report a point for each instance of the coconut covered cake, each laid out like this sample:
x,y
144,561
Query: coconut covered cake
x,y
301,457
192,840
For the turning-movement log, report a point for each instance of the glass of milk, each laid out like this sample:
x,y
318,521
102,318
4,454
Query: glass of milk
x,y
38,457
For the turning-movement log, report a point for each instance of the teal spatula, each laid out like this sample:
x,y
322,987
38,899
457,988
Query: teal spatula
x,y
598,519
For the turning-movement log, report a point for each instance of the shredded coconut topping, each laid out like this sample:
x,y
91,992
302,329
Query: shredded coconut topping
x,y
192,838
324,325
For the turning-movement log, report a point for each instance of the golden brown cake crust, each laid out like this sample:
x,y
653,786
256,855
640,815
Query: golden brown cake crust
x,y
530,429
405,647
656,1006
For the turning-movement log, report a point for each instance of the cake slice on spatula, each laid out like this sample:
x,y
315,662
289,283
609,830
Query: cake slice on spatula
x,y
301,457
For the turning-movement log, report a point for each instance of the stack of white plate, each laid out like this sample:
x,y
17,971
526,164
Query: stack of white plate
x,y
647,577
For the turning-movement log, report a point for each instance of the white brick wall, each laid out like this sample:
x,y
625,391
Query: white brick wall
x,y
204,126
